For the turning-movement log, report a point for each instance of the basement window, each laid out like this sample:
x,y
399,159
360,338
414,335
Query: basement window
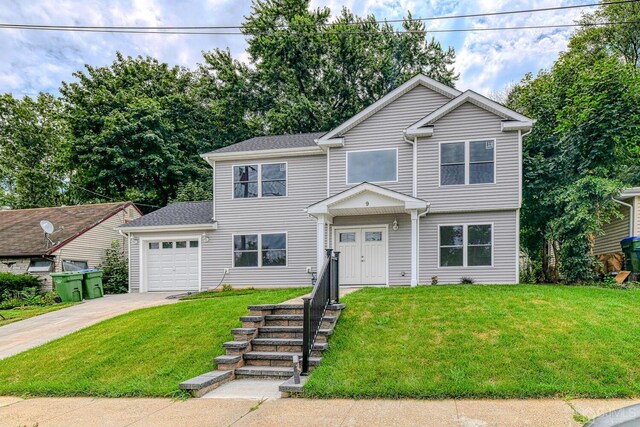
x,y
40,266
74,265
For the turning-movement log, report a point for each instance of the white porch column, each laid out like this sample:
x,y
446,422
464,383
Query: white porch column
x,y
322,221
414,247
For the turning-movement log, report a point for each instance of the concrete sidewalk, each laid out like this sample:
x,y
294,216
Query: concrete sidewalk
x,y
46,412
29,333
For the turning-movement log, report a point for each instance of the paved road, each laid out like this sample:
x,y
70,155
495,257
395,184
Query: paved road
x,y
25,334
47,412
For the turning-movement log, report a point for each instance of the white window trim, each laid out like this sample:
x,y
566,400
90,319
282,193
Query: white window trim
x,y
259,165
286,248
467,162
369,150
465,244
40,269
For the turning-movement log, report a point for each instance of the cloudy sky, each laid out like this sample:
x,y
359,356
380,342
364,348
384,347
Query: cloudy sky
x,y
32,61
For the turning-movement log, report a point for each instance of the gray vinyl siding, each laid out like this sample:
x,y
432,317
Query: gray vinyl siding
x,y
134,267
505,248
384,130
91,246
470,122
615,231
306,182
399,247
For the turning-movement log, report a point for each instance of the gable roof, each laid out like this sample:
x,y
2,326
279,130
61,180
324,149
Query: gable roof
x,y
397,199
175,215
271,142
419,79
483,102
21,234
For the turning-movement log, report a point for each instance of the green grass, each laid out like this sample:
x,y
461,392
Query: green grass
x,y
146,352
15,314
483,341
222,294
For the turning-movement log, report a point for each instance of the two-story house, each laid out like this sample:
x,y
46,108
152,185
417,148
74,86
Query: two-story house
x,y
424,182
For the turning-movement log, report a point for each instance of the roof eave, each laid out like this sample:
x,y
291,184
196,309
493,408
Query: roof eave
x,y
262,154
164,228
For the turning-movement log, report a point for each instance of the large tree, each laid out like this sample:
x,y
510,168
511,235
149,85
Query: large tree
x,y
310,72
583,149
137,130
33,152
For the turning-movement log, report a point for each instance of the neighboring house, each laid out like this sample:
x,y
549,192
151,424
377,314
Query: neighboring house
x,y
82,234
424,182
607,246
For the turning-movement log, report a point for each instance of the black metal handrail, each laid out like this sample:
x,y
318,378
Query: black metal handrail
x,y
325,291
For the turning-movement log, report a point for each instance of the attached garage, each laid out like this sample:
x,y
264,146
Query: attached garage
x,y
172,265
166,247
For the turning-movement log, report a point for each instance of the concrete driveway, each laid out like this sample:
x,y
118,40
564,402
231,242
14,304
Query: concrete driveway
x,y
25,334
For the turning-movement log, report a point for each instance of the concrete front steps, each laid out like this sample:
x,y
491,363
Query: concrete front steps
x,y
264,347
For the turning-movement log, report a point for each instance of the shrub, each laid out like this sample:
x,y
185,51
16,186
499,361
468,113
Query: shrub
x,y
434,280
227,287
115,277
467,281
11,283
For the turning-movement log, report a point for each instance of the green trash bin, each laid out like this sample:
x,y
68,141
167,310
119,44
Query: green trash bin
x,y
68,285
631,249
92,283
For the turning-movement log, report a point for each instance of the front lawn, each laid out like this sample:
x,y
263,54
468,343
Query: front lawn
x,y
483,341
21,313
146,352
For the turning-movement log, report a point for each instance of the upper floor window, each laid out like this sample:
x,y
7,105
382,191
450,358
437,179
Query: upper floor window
x,y
372,166
469,162
466,245
260,180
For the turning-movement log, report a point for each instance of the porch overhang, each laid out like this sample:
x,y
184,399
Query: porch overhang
x,y
366,199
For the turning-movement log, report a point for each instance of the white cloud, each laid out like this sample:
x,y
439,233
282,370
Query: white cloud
x,y
31,61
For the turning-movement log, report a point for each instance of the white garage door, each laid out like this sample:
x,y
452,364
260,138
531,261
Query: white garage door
x,y
172,265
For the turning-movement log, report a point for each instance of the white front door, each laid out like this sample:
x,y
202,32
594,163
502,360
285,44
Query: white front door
x,y
363,255
172,265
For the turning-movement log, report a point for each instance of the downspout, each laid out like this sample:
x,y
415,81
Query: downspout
x,y
631,225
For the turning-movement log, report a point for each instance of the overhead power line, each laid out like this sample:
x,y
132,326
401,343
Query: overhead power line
x,y
206,29
452,30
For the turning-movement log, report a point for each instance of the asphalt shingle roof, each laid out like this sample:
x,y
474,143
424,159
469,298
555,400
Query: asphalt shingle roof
x,y
179,213
21,234
296,140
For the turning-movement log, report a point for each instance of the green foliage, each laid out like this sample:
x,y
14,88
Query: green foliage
x,y
227,287
34,145
584,148
309,76
115,268
194,191
137,130
12,283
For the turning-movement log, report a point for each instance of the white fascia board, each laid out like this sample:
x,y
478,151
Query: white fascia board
x,y
474,98
163,228
332,143
419,79
514,125
419,133
263,154
629,192
415,204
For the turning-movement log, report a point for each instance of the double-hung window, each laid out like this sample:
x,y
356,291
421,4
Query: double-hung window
x,y
466,245
468,162
260,180
260,250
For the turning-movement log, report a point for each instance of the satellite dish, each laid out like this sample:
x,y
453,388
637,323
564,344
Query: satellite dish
x,y
46,226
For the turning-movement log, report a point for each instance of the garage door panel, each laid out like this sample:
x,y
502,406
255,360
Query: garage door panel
x,y
173,266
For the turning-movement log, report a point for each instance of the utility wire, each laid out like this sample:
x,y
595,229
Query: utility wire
x,y
164,29
188,30
217,33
